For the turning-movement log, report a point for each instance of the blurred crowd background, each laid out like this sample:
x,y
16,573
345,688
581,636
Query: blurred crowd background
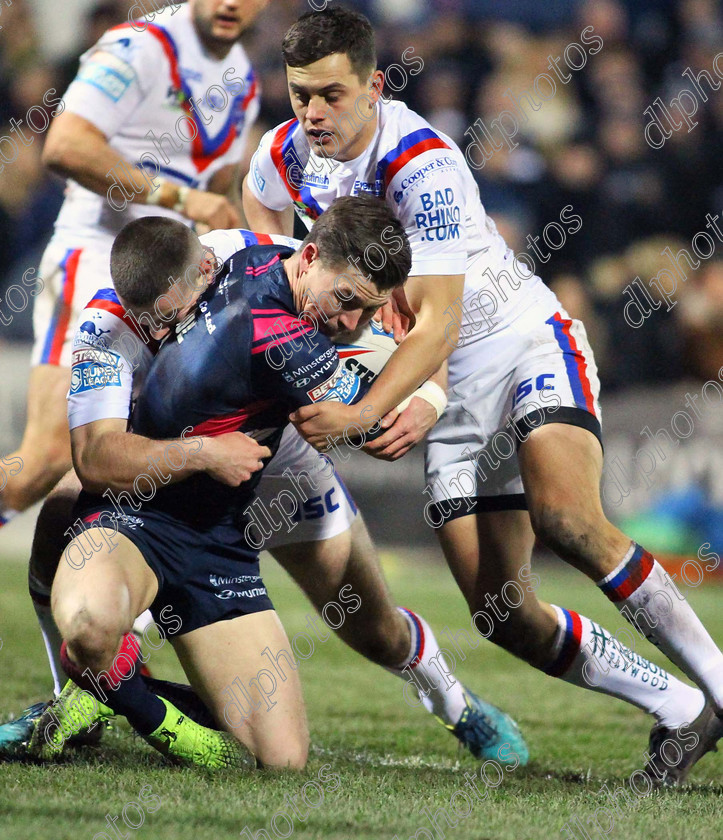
x,y
584,147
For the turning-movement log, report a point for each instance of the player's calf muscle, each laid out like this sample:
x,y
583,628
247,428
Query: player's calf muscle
x,y
50,537
527,632
45,448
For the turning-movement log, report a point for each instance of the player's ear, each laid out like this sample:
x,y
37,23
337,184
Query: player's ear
x,y
309,255
208,265
376,86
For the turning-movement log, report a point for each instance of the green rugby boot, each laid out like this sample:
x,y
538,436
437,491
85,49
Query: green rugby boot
x,y
75,716
184,741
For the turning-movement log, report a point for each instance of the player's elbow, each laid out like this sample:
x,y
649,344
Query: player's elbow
x,y
70,143
87,470
90,482
451,338
441,340
60,152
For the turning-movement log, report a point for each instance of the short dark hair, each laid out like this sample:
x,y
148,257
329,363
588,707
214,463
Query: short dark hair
x,y
146,253
363,230
318,34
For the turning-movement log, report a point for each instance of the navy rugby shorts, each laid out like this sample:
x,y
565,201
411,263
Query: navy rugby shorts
x,y
208,573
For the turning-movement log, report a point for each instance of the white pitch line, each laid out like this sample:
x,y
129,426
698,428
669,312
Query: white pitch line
x,y
414,762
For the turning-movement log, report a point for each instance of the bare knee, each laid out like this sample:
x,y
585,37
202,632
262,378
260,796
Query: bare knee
x,y
298,753
93,638
292,756
565,531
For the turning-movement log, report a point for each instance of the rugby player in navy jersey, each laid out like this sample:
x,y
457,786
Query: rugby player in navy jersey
x,y
228,366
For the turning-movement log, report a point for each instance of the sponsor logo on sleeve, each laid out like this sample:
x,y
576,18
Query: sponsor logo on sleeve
x,y
259,178
314,369
87,376
441,216
108,73
90,333
91,354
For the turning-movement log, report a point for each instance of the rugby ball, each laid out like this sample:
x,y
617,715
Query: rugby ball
x,y
366,351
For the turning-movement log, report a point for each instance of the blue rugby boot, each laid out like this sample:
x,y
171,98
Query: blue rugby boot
x,y
483,729
15,734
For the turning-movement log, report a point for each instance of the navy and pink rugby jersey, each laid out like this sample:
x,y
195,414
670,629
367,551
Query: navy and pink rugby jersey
x,y
242,361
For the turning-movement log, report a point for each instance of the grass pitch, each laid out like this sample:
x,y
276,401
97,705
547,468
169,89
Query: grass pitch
x,y
377,761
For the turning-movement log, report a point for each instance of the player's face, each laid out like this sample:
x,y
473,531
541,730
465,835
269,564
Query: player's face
x,y
339,299
335,108
171,308
180,299
223,21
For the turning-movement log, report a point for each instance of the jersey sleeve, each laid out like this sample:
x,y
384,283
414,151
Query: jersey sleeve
x,y
298,366
113,78
265,181
428,196
101,377
226,243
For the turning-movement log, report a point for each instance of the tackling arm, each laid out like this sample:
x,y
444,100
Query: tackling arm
x,y
417,358
106,456
425,348
75,148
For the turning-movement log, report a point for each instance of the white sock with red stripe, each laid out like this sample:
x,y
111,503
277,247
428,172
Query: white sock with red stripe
x,y
646,595
427,672
586,655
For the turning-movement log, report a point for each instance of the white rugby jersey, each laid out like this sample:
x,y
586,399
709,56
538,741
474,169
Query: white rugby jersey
x,y
112,352
426,181
132,82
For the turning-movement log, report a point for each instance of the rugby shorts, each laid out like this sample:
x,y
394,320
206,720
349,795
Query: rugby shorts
x,y
312,505
207,573
71,277
538,369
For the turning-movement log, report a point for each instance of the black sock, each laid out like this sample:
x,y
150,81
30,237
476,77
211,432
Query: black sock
x,y
184,698
122,688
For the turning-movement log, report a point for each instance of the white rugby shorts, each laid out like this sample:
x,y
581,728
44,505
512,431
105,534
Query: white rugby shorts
x,y
539,369
71,276
312,505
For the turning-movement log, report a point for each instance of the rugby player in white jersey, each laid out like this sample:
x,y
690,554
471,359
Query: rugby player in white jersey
x,y
326,552
517,453
176,96
155,122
